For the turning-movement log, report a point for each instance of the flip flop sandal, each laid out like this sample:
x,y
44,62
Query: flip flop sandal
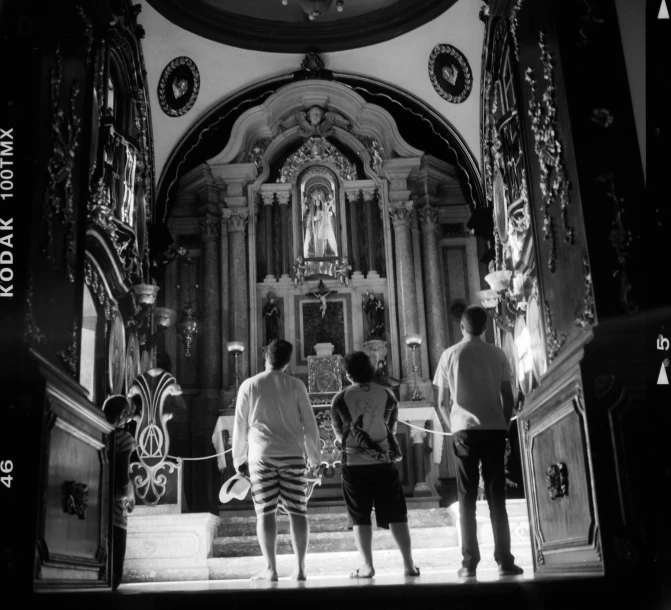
x,y
413,575
355,574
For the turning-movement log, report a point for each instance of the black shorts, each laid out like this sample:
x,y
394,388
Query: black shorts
x,y
375,484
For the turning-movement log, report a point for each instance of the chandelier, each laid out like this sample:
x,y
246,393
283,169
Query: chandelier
x,y
316,8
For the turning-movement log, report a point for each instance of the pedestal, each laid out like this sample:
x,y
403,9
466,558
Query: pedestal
x,y
169,547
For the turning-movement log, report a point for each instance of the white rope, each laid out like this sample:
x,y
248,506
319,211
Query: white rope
x,y
436,431
207,457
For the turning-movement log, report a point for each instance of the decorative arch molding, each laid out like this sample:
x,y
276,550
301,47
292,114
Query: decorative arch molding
x,y
357,119
217,124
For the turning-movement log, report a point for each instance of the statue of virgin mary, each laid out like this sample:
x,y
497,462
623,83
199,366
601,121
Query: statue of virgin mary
x,y
319,232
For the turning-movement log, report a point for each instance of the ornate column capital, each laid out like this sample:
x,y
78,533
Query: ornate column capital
x,y
368,194
283,197
401,213
208,226
268,197
429,218
352,194
417,436
237,221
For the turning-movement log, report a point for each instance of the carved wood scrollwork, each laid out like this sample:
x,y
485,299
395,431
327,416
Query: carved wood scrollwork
x,y
59,196
75,498
71,357
93,280
513,27
588,314
31,333
553,181
556,478
553,340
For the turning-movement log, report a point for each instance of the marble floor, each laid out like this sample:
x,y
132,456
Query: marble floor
x,y
321,582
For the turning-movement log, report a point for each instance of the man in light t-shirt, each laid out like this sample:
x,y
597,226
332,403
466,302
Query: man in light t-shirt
x,y
473,379
274,428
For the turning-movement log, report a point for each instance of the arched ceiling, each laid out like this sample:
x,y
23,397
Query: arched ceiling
x,y
268,25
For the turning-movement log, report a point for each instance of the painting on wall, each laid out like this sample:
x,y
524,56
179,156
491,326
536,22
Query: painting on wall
x,y
319,324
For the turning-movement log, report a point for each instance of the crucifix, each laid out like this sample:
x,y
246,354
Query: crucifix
x,y
321,293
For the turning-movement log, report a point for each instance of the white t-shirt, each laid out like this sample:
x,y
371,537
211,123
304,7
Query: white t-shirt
x,y
267,420
473,372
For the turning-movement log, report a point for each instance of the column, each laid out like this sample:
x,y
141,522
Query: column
x,y
223,277
434,292
355,256
238,289
268,225
401,214
417,436
283,197
423,356
211,352
369,198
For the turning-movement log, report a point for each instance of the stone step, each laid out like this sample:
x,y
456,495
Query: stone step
x,y
331,542
232,527
387,562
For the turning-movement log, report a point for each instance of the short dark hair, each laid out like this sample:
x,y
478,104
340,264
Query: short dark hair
x,y
279,353
114,407
474,320
359,367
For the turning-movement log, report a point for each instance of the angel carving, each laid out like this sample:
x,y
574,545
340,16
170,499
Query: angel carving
x,y
342,270
315,122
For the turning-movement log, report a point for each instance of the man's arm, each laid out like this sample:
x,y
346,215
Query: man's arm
x,y
240,430
445,403
336,420
508,401
310,428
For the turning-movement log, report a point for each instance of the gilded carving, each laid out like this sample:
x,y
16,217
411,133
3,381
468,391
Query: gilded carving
x,y
553,340
59,196
429,218
93,280
540,558
255,154
88,33
75,498
588,314
32,333
553,181
374,149
315,122
513,27
621,240
556,478
317,149
331,456
70,357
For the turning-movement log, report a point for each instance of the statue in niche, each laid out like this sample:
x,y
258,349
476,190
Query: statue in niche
x,y
319,239
299,271
270,314
342,270
315,122
374,310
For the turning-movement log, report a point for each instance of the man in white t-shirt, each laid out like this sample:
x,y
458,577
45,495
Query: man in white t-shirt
x,y
473,379
274,428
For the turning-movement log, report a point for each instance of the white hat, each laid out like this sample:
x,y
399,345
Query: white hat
x,y
236,487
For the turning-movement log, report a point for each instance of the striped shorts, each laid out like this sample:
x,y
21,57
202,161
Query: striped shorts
x,y
275,478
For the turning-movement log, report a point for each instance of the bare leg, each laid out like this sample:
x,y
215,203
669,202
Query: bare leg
x,y
363,536
266,531
300,534
401,534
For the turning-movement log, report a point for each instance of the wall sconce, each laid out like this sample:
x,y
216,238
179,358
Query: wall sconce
x,y
236,348
164,318
188,328
501,292
145,296
413,342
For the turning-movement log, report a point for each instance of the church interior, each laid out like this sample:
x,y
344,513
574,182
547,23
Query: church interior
x,y
191,180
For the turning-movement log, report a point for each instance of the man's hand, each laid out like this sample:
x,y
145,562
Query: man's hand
x,y
313,465
243,469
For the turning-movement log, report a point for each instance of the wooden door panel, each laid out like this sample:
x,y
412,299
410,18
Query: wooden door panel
x,y
559,477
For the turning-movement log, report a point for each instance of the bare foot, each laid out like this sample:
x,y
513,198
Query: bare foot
x,y
363,573
299,574
413,571
268,574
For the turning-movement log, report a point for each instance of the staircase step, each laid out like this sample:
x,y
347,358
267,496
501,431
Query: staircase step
x,y
331,541
238,526
342,563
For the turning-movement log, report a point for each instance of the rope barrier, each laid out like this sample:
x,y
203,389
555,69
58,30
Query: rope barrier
x,y
209,457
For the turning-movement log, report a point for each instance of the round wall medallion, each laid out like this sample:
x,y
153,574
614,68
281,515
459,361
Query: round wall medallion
x,y
450,73
133,364
178,87
116,358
